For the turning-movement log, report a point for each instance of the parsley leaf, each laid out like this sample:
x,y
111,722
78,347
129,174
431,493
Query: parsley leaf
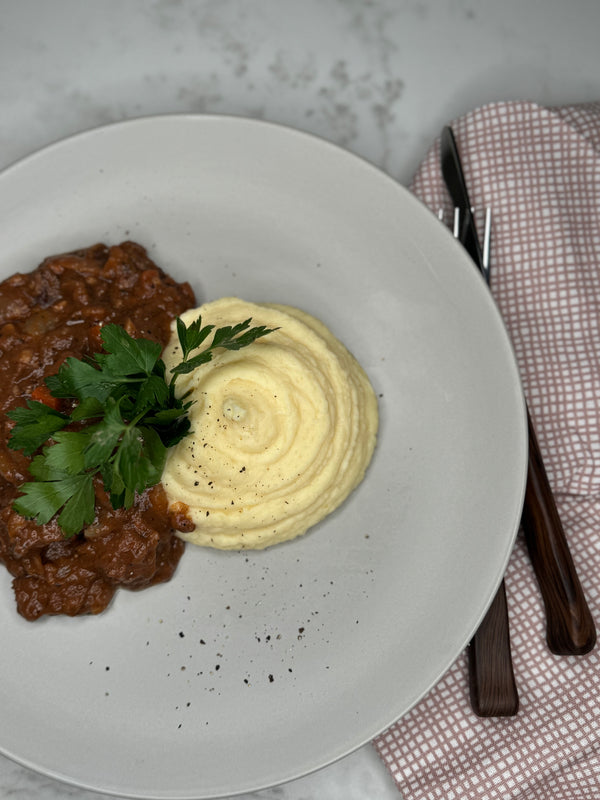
x,y
124,418
153,393
79,510
229,337
80,380
42,500
67,453
35,424
191,338
104,436
126,355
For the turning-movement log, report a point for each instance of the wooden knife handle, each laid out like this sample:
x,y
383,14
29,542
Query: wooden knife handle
x,y
570,627
491,678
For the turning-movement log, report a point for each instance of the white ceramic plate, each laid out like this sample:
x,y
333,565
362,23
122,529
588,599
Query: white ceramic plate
x,y
250,669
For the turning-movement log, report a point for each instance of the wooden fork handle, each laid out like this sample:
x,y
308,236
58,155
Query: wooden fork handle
x,y
570,627
491,678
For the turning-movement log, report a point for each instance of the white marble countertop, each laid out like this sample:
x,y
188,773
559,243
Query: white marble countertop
x,y
378,77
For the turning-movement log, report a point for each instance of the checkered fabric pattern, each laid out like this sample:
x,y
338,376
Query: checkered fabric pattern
x,y
539,171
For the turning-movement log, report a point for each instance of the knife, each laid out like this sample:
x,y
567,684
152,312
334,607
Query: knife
x,y
570,628
493,689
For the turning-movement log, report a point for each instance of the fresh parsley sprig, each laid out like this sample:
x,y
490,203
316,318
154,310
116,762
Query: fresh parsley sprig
x,y
125,417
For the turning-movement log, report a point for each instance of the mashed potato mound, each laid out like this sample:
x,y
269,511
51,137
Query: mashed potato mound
x,y
283,429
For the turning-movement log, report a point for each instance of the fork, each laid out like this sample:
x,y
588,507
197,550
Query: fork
x,y
570,628
492,686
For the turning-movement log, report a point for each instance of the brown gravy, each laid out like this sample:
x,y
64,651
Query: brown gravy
x,y
46,315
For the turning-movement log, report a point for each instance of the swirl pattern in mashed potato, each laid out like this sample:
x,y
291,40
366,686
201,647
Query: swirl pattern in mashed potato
x,y
283,430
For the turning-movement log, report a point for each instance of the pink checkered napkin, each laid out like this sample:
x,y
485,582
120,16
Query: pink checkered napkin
x,y
539,170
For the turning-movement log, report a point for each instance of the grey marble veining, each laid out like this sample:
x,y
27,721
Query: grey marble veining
x,y
378,77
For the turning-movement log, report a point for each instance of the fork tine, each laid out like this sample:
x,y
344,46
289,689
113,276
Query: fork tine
x,y
456,227
487,233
